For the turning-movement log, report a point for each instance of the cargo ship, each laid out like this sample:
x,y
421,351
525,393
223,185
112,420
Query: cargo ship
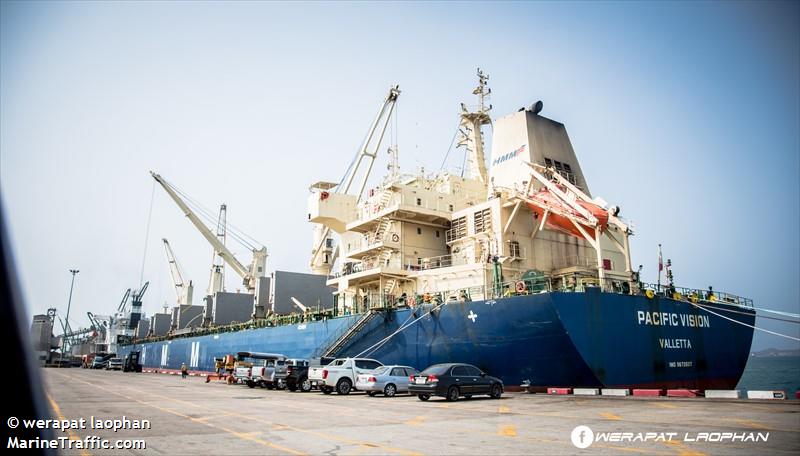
x,y
513,267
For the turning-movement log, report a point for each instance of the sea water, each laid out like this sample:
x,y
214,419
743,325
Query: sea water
x,y
771,373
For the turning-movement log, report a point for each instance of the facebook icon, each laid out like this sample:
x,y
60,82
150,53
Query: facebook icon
x,y
582,437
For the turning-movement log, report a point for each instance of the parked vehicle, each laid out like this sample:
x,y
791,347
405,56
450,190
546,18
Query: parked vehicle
x,y
297,375
341,374
267,370
114,364
100,361
131,363
388,380
453,381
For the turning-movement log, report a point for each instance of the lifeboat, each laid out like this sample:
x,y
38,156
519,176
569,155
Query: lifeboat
x,y
561,215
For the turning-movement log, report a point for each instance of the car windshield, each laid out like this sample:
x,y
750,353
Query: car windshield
x,y
116,360
437,369
381,370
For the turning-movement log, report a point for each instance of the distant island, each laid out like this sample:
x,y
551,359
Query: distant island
x,y
773,352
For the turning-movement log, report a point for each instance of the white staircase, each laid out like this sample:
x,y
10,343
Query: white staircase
x,y
380,230
384,257
389,287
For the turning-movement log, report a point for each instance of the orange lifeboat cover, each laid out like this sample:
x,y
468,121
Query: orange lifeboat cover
x,y
544,200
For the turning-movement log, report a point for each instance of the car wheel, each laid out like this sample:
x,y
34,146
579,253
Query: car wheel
x,y
305,385
344,386
423,397
497,391
390,390
452,394
251,384
326,390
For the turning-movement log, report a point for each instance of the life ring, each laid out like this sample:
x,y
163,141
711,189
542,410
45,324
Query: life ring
x,y
677,296
650,294
324,195
426,297
412,301
395,237
521,287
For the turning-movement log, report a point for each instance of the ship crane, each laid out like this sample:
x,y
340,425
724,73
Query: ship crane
x,y
123,304
251,274
367,153
136,306
183,290
216,281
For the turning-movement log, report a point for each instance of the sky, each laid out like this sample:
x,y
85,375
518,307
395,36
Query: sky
x,y
685,114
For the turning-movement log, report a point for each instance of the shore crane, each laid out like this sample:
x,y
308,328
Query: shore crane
x,y
250,275
183,290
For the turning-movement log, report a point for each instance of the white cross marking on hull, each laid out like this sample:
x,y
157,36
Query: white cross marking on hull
x,y
472,316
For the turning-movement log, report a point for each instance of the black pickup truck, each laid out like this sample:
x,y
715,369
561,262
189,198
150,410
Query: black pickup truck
x,y
297,373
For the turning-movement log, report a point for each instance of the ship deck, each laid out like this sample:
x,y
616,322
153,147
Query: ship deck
x,y
192,417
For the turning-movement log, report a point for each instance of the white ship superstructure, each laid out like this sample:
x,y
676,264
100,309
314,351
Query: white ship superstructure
x,y
466,235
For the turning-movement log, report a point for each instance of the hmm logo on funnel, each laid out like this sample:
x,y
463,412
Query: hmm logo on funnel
x,y
582,437
509,155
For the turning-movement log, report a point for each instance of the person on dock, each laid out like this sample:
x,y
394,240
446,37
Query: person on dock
x,y
184,371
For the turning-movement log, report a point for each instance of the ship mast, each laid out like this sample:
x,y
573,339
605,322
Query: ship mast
x,y
470,135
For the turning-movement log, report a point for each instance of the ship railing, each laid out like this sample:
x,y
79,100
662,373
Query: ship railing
x,y
694,294
367,263
546,284
271,321
441,261
384,200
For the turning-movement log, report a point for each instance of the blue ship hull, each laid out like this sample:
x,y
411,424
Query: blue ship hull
x,y
589,339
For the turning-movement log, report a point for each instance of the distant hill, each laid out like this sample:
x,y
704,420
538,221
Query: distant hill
x,y
772,352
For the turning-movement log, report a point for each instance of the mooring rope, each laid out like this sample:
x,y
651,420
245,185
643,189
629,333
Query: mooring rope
x,y
744,324
399,330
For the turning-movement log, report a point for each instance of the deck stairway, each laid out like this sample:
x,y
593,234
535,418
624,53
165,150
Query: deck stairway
x,y
380,230
389,287
331,347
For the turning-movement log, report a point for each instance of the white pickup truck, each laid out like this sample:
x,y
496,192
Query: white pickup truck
x,y
340,374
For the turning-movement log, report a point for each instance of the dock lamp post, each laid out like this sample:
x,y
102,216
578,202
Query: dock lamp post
x,y
67,329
